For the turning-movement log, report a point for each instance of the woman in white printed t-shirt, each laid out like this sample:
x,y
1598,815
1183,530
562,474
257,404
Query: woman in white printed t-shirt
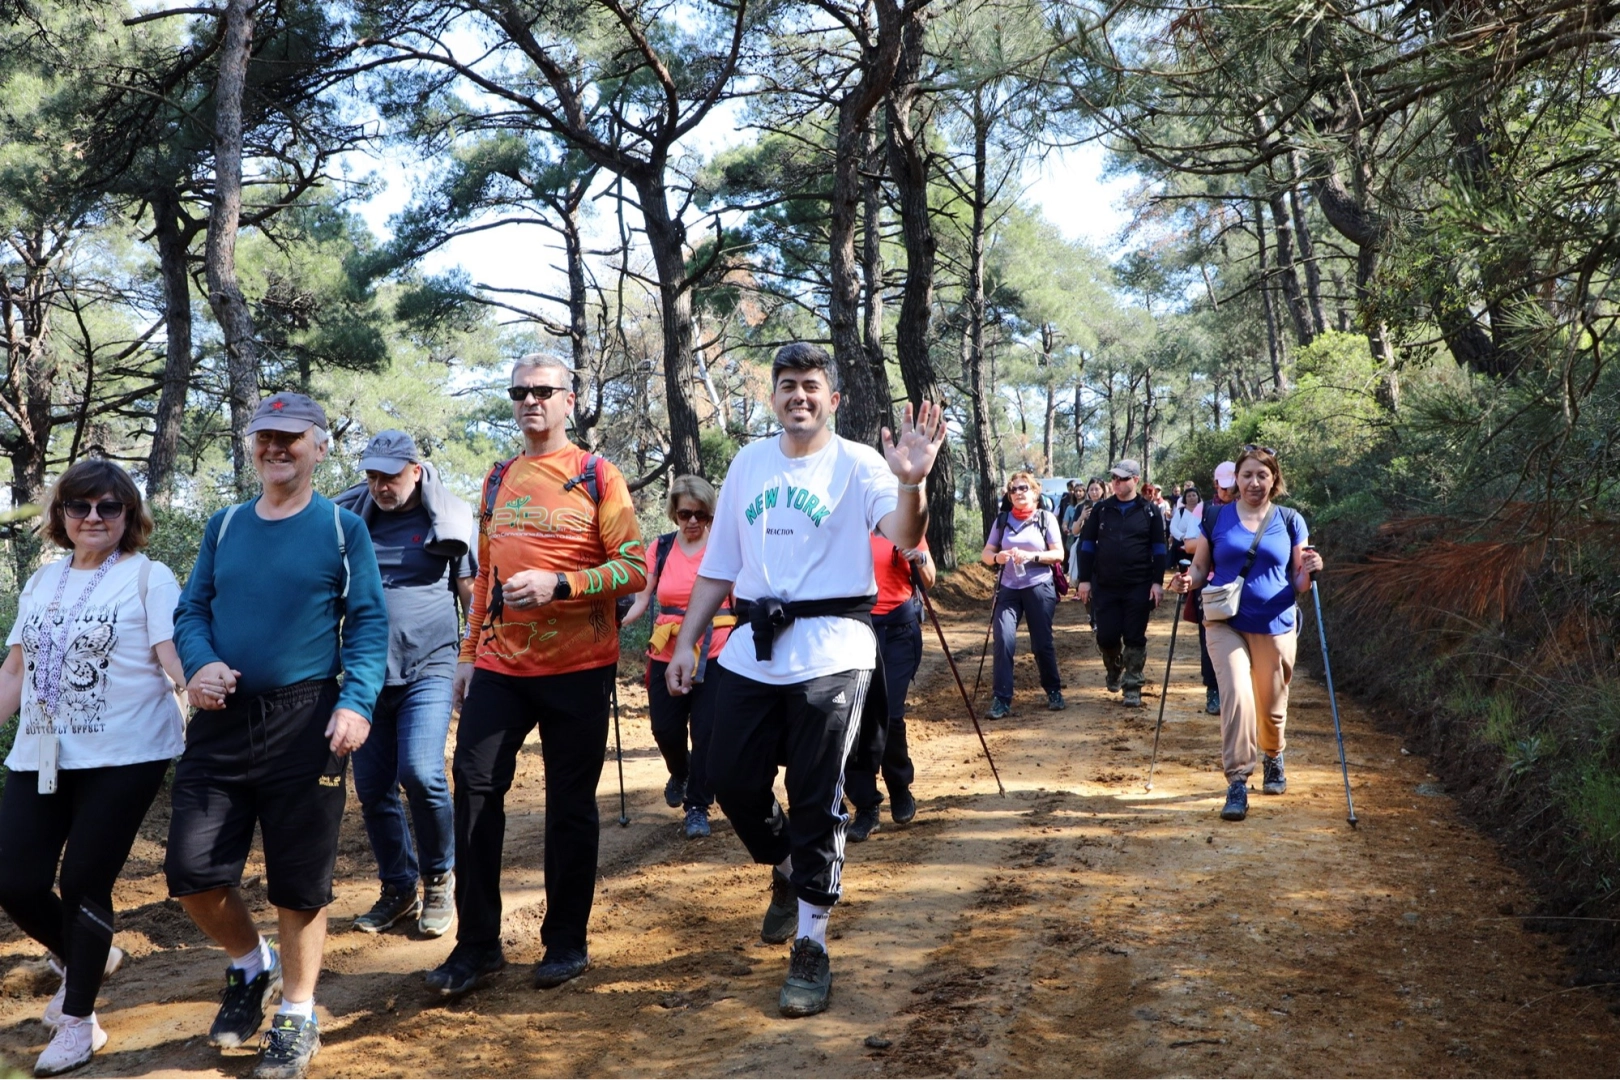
x,y
92,668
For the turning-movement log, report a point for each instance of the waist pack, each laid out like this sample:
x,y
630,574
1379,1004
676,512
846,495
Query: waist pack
x,y
1221,601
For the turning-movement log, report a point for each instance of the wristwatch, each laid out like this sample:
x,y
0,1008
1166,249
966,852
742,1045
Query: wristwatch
x,y
563,591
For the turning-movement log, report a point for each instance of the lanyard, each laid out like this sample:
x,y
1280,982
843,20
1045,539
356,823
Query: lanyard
x,y
53,646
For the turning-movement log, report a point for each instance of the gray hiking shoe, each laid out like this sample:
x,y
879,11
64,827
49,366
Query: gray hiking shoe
x,y
438,904
1276,782
999,708
782,917
1132,698
1054,701
392,905
809,981
287,1049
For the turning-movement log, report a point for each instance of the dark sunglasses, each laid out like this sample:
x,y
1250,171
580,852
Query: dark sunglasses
x,y
1263,449
541,393
1016,488
79,509
702,517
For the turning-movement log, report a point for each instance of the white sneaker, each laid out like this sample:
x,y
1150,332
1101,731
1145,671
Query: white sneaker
x,y
73,1045
53,1008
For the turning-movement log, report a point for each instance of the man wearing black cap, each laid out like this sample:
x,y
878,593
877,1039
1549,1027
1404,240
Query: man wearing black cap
x,y
426,543
284,598
1121,570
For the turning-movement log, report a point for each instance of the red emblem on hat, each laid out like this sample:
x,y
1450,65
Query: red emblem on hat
x,y
278,404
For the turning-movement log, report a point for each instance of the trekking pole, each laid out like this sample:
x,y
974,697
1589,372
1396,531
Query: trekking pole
x,y
949,659
1333,698
985,648
618,752
1175,623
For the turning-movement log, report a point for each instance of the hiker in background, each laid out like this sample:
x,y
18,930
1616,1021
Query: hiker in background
x,y
1225,478
1185,524
1253,650
1122,554
1024,542
676,558
92,668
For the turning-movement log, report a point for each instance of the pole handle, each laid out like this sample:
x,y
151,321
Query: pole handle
x,y
1312,549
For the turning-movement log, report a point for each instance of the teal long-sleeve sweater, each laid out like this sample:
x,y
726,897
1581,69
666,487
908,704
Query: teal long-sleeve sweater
x,y
267,603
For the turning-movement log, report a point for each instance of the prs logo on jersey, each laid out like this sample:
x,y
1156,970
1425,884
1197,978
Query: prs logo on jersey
x,y
541,519
798,498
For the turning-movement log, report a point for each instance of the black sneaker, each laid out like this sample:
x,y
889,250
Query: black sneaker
x,y
287,1048
1276,782
243,1004
391,906
697,823
1113,683
560,965
465,969
999,708
1054,701
809,981
782,917
1212,702
675,791
902,806
1237,801
865,824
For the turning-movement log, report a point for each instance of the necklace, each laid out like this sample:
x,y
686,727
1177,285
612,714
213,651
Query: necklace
x,y
53,646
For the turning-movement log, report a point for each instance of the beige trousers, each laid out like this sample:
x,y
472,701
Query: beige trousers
x,y
1253,671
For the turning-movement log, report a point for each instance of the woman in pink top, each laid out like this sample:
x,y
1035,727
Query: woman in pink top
x,y
676,559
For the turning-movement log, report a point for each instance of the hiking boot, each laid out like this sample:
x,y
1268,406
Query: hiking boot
x,y
1276,783
1133,659
782,917
392,905
1132,698
675,791
809,981
287,1048
73,1044
465,969
999,708
902,806
53,1007
1114,664
697,823
558,966
1212,702
438,904
865,824
1054,701
243,1004
1237,801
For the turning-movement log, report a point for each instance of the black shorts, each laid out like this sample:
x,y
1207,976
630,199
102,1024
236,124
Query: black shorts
x,y
264,760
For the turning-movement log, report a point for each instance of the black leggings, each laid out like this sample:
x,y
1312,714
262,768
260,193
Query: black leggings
x,y
95,815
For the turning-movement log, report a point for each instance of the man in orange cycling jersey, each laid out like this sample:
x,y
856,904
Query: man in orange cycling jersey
x,y
558,543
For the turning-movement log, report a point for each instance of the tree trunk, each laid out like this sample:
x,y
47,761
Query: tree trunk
x,y
172,245
1079,432
906,139
1273,345
872,270
587,372
1287,274
666,237
1307,248
979,375
1341,310
224,293
30,380
1147,428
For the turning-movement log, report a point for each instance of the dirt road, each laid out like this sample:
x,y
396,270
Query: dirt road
x,y
1078,926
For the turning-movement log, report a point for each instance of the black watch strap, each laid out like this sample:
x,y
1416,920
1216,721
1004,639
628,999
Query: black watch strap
x,y
564,590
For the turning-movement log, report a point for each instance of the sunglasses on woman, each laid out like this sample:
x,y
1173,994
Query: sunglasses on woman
x,y
79,509
1017,488
702,517
541,393
1263,449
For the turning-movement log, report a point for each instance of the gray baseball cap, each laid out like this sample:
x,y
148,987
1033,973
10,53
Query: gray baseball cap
x,y
1126,467
389,452
287,411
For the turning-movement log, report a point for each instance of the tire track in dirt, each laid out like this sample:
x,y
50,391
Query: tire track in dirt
x,y
1079,926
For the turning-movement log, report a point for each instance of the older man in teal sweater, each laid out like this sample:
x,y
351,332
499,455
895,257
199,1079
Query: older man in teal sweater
x,y
285,599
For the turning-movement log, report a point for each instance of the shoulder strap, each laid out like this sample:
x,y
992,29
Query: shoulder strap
x,y
588,478
664,545
1254,545
230,512
343,548
492,486
1001,527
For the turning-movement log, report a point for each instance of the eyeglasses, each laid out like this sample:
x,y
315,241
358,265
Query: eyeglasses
x,y
1263,449
1121,479
79,509
702,517
541,393
1016,488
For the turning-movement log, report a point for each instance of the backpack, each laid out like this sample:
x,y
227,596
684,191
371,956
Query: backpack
x,y
492,493
1060,575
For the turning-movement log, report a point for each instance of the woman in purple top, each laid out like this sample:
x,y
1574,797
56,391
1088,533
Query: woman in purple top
x,y
1253,652
1025,543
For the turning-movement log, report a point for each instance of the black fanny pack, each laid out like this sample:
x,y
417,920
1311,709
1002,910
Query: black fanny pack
x,y
769,615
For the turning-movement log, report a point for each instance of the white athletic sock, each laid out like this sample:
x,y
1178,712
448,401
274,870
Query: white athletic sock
x,y
785,867
301,1009
254,962
813,922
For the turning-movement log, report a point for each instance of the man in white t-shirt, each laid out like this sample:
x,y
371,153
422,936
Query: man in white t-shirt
x,y
791,539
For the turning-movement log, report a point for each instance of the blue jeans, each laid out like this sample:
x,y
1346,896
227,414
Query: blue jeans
x,y
1036,605
406,749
